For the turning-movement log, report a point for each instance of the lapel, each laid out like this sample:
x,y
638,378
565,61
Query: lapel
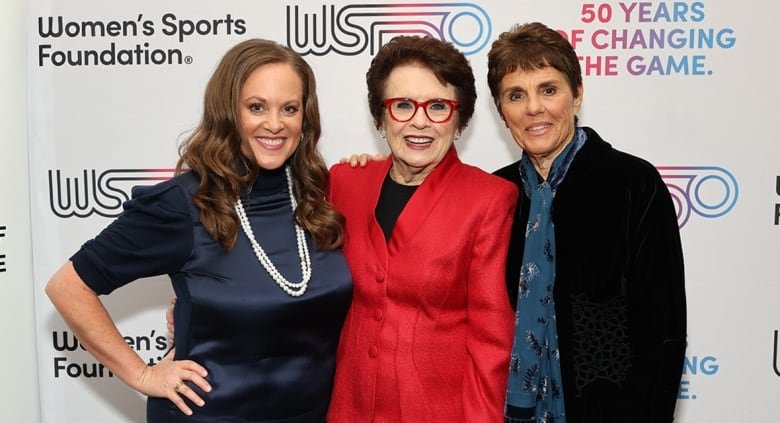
x,y
423,201
376,236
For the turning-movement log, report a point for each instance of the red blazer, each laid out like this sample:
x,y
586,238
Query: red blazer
x,y
429,332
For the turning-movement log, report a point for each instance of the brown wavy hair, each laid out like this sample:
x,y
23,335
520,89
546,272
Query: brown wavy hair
x,y
528,47
442,58
219,154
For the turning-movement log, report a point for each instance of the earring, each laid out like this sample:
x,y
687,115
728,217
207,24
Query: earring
x,y
302,136
456,137
382,134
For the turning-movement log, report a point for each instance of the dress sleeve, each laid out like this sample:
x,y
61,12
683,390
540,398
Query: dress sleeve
x,y
656,297
152,236
490,316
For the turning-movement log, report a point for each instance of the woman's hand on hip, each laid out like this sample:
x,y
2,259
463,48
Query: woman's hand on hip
x,y
172,379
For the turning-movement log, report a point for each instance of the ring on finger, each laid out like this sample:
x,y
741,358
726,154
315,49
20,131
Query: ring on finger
x,y
177,386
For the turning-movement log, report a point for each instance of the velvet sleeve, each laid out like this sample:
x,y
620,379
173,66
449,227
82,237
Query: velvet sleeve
x,y
490,317
152,236
656,297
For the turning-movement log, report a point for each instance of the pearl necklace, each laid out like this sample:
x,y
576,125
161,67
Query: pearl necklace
x,y
295,289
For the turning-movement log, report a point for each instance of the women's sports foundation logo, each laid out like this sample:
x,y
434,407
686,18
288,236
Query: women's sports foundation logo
x,y
352,29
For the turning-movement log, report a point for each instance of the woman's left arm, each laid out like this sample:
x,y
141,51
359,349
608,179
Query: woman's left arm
x,y
657,304
490,316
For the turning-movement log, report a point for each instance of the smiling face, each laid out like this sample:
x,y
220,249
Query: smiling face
x,y
271,113
538,106
418,145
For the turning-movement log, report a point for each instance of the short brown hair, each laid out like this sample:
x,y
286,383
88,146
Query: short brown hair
x,y
445,61
528,47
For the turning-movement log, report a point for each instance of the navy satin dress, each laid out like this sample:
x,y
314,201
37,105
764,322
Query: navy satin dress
x,y
270,356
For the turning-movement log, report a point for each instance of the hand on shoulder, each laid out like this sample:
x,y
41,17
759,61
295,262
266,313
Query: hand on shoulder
x,y
362,159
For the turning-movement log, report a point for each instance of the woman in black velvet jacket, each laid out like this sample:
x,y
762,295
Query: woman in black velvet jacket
x,y
617,310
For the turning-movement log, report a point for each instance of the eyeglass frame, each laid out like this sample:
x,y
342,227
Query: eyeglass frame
x,y
454,104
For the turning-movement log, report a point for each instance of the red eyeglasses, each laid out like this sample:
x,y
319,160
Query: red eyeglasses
x,y
438,110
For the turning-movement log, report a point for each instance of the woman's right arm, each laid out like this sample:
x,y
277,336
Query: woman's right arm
x,y
85,314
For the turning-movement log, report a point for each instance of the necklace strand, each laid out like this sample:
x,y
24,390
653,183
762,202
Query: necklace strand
x,y
295,289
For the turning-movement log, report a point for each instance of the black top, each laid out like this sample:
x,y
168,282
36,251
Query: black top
x,y
270,357
392,200
619,286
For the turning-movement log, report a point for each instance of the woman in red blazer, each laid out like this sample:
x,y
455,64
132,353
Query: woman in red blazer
x,y
429,332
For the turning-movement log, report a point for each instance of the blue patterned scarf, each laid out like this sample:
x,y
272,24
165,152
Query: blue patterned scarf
x,y
534,392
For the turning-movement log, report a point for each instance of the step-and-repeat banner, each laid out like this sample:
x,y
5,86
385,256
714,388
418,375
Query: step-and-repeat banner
x,y
689,85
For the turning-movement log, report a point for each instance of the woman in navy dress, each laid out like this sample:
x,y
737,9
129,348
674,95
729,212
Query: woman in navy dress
x,y
252,249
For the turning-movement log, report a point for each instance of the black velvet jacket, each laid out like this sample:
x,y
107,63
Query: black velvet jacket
x,y
619,288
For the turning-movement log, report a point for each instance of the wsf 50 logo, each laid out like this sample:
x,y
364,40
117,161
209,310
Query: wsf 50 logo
x,y
352,29
101,194
707,191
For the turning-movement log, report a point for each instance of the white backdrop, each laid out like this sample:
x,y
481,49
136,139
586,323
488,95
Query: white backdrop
x,y
19,396
688,85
